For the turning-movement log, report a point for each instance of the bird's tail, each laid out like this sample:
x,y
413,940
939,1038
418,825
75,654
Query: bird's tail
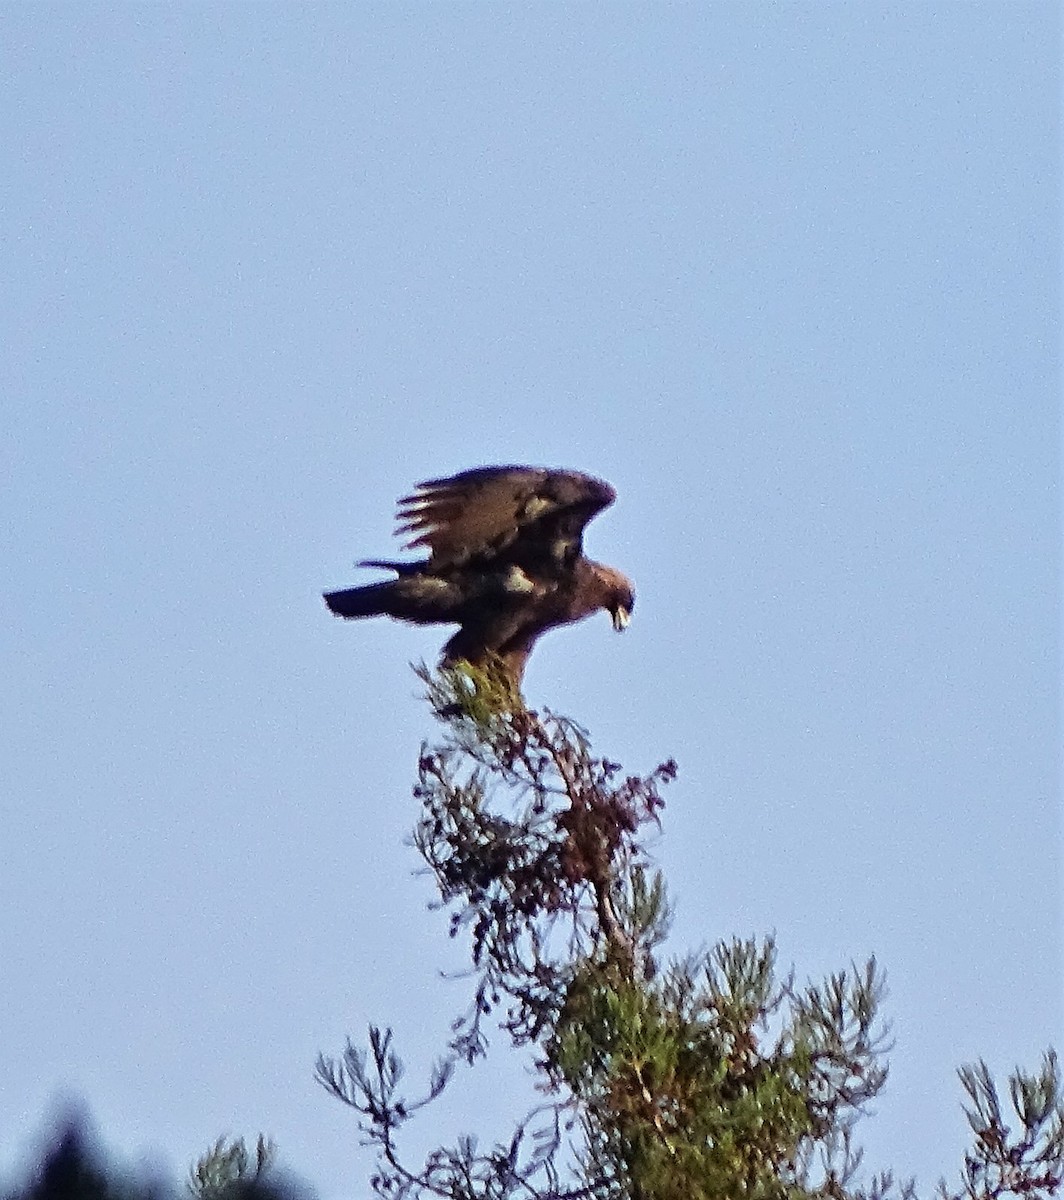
x,y
373,600
388,564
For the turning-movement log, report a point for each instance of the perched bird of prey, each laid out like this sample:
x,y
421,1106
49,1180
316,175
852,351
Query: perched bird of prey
x,y
506,563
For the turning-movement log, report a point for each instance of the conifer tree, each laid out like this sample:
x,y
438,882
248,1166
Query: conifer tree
x,y
709,1077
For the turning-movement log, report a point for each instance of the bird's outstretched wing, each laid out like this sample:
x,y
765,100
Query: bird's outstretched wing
x,y
519,514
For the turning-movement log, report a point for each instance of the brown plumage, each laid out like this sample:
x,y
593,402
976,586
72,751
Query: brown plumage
x,y
506,563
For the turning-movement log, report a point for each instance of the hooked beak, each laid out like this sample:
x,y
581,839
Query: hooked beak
x,y
621,617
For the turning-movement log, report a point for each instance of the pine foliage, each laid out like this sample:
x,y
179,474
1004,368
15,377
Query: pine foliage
x,y
711,1077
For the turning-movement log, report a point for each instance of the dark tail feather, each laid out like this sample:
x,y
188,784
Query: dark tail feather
x,y
373,600
387,564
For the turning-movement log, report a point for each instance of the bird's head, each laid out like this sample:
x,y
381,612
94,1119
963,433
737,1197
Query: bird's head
x,y
618,598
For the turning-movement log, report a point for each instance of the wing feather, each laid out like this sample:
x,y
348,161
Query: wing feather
x,y
489,511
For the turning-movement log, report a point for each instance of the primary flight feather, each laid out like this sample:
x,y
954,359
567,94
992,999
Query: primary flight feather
x,y
506,563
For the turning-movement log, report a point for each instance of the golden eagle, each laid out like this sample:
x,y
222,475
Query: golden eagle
x,y
506,563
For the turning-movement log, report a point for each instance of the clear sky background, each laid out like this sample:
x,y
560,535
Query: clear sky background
x,y
786,274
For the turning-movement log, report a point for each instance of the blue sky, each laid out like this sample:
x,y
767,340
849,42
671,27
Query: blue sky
x,y
786,274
